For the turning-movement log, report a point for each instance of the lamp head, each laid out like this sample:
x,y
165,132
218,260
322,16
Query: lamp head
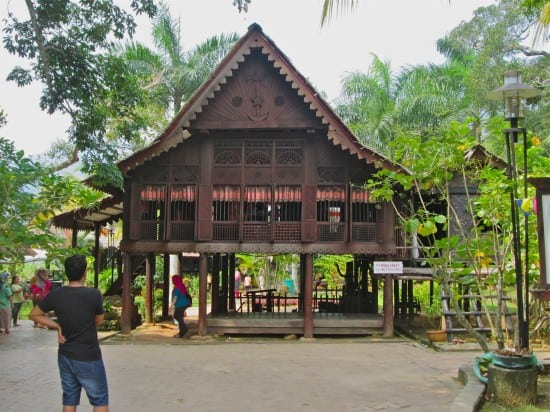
x,y
512,93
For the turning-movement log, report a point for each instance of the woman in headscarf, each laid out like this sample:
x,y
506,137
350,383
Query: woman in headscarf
x,y
40,287
180,302
5,303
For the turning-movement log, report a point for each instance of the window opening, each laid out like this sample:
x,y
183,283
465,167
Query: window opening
x,y
153,198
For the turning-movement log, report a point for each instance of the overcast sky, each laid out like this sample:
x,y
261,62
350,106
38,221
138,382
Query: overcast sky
x,y
403,32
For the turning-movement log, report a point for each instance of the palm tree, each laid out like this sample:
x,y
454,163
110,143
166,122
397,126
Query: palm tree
x,y
331,6
378,106
172,72
367,104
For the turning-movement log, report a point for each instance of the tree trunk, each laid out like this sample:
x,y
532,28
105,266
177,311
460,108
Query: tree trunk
x,y
512,387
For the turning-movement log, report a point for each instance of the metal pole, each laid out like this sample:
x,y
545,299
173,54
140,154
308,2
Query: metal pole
x,y
511,139
525,330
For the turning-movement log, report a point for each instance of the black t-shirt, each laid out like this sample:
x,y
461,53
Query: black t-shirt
x,y
76,309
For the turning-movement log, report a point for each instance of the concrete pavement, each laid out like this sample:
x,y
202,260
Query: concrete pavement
x,y
152,371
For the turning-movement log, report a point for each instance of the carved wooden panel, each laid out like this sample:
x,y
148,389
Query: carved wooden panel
x,y
185,174
187,153
331,174
226,175
256,96
257,175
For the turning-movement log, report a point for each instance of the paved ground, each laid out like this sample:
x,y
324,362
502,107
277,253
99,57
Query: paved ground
x,y
152,371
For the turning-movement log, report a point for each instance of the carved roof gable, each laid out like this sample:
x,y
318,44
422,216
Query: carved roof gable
x,y
256,96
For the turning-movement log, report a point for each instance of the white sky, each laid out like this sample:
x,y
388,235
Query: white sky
x,y
403,32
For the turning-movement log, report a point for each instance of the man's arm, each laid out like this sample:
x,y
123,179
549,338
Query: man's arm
x,y
99,319
39,316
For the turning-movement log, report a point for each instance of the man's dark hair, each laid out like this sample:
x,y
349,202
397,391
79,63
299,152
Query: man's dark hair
x,y
75,267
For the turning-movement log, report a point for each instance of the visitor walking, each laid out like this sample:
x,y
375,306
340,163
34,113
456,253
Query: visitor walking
x,y
18,298
180,302
79,310
40,287
5,303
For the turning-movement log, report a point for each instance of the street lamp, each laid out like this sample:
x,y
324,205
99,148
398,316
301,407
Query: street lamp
x,y
513,92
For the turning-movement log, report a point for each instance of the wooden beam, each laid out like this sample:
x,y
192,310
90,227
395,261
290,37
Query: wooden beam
x,y
126,317
388,307
149,272
308,296
203,281
97,232
166,286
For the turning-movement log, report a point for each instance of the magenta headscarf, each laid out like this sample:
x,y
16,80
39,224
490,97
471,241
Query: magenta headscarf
x,y
178,284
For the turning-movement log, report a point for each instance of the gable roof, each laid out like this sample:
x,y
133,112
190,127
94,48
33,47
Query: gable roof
x,y
178,129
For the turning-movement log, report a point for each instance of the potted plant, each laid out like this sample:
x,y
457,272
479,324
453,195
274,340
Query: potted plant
x,y
436,333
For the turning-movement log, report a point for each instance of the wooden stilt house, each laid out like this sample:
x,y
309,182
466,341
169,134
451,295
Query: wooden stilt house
x,y
258,162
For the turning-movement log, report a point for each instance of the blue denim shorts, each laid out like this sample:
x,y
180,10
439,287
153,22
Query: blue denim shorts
x,y
89,375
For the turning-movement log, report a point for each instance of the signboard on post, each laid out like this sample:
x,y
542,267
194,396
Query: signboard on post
x,y
387,267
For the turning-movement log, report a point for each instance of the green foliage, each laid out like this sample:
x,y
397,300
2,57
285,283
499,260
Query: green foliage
x,y
32,194
325,266
67,45
459,245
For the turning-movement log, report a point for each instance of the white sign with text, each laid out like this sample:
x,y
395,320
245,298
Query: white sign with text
x,y
388,267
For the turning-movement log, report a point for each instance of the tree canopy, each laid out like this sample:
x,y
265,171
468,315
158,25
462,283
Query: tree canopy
x,y
31,194
67,45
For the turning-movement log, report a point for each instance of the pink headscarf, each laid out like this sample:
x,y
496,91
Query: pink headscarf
x,y
178,284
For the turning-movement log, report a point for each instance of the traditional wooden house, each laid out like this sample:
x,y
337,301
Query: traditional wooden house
x,y
257,162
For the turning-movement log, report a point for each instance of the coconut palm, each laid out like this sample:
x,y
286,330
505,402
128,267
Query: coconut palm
x,y
367,104
335,6
172,72
377,106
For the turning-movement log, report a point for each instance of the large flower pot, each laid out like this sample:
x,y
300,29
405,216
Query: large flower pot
x,y
436,335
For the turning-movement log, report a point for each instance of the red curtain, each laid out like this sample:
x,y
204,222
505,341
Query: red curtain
x,y
258,194
359,196
331,194
288,194
183,193
226,193
153,193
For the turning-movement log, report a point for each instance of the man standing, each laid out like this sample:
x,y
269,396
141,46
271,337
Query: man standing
x,y
78,310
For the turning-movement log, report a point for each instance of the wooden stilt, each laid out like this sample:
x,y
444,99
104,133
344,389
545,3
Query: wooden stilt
x,y
149,270
308,296
203,281
388,307
126,317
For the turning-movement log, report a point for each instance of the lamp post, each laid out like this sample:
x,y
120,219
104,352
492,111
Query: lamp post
x,y
513,92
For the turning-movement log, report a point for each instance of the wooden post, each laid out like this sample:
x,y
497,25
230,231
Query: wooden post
x,y
166,286
224,283
512,387
388,307
308,296
97,232
203,280
231,289
216,264
149,269
126,317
